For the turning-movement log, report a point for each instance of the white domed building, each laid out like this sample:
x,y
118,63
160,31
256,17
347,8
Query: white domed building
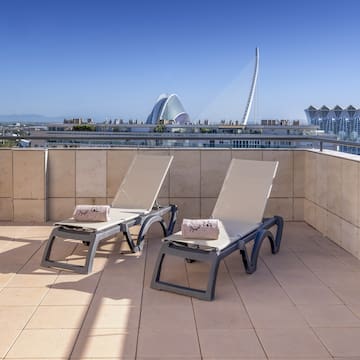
x,y
168,109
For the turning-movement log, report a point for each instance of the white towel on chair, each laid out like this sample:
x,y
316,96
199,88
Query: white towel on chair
x,y
200,229
92,213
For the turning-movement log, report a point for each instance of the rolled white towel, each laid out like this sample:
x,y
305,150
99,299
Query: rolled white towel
x,y
207,229
92,213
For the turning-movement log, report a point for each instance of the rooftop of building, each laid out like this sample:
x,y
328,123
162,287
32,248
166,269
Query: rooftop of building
x,y
302,303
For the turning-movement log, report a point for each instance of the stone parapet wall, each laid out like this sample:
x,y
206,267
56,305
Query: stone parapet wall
x,y
321,188
332,197
45,185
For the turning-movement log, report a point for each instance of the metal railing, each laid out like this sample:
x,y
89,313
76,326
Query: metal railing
x,y
187,140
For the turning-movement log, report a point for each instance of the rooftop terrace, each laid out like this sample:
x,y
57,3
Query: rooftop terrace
x,y
303,303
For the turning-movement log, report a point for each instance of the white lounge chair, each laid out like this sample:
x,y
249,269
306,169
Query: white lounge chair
x,y
134,204
240,208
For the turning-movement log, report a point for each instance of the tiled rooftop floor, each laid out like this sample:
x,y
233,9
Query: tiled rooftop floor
x,y
302,303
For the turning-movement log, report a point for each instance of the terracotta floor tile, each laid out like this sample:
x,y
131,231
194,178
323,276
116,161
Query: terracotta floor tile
x,y
308,295
236,344
112,317
66,297
172,358
7,339
341,343
323,262
287,300
22,296
32,280
5,278
169,318
126,269
311,358
283,260
156,297
102,358
125,293
302,277
15,317
261,277
175,275
323,315
227,293
122,278
39,344
77,258
164,344
99,263
355,309
291,343
105,343
349,295
72,281
265,316
11,266
214,315
264,294
339,279
61,250
237,358
57,317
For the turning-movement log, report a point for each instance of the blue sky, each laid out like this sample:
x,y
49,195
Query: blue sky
x,y
109,58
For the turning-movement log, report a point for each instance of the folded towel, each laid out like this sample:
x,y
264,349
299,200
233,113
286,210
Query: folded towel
x,y
91,213
207,229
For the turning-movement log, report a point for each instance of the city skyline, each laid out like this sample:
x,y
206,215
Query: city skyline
x,y
110,59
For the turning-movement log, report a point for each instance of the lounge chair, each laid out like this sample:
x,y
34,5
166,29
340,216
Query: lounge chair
x,y
239,208
134,204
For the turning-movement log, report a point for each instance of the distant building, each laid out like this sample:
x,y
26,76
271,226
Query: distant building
x,y
342,122
78,121
168,109
272,122
74,121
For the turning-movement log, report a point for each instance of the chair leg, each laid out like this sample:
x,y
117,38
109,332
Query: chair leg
x,y
147,223
129,239
172,221
210,291
279,222
250,262
47,251
183,252
146,226
92,242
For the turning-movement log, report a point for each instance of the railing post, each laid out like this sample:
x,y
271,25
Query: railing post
x,y
321,145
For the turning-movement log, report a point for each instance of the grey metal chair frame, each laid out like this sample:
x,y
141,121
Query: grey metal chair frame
x,y
214,258
93,238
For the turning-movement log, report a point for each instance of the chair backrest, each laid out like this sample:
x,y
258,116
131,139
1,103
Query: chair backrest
x,y
245,191
142,182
